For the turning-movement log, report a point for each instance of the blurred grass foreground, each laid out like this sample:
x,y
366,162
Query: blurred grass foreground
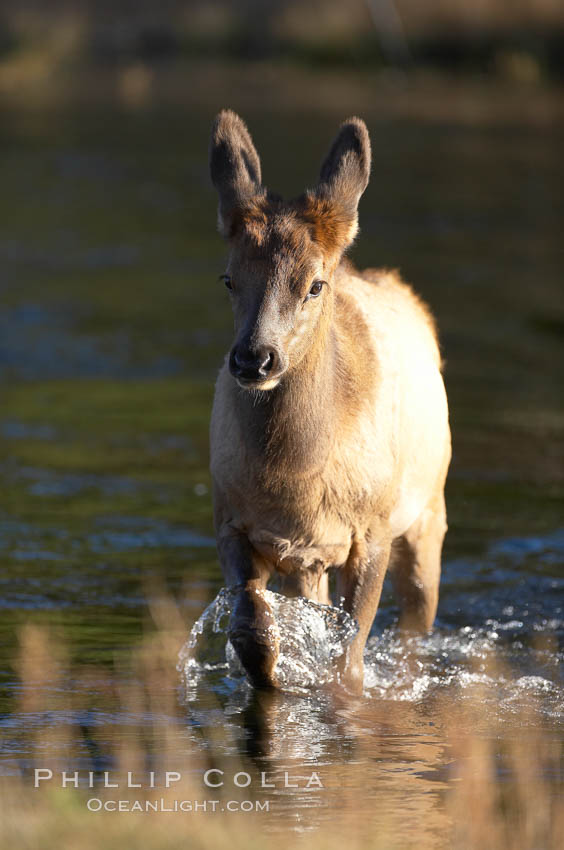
x,y
502,785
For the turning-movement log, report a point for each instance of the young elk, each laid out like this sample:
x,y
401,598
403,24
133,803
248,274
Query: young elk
x,y
330,441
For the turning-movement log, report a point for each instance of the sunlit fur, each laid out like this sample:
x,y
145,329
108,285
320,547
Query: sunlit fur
x,y
341,461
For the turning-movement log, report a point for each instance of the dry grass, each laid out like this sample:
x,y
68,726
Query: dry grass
x,y
500,789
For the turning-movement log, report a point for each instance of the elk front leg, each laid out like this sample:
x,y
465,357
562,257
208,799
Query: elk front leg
x,y
252,628
360,583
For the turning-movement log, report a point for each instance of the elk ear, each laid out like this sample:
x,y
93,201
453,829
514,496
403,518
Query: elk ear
x,y
345,173
234,167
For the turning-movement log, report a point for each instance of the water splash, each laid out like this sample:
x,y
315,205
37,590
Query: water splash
x,y
491,657
496,656
500,629
312,637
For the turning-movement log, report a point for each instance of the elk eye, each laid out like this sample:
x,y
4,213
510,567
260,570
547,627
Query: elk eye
x,y
316,288
227,281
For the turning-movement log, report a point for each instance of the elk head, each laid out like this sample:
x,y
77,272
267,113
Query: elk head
x,y
282,255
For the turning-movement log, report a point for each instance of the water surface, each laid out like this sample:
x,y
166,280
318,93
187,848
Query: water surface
x,y
112,328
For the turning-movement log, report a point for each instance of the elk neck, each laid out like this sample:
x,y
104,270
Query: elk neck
x,y
290,430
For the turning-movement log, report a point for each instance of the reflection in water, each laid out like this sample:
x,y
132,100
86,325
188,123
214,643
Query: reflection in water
x,y
388,748
368,754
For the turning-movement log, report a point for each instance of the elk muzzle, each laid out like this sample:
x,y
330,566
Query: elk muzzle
x,y
258,367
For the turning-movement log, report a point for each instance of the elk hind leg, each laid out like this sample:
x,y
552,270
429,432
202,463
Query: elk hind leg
x,y
416,567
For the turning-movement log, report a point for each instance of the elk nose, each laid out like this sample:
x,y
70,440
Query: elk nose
x,y
267,365
253,364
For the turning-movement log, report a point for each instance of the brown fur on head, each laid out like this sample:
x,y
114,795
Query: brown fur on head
x,y
280,251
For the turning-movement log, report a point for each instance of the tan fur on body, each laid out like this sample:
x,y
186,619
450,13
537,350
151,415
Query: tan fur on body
x,y
343,447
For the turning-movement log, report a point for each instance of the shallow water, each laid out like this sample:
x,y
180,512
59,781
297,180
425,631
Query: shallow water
x,y
392,743
112,327
506,654
515,656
